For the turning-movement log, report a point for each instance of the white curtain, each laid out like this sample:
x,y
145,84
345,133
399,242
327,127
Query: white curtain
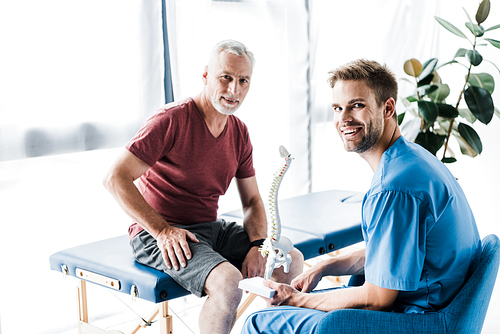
x,y
76,75
386,31
65,63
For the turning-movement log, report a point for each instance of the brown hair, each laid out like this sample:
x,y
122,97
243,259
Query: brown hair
x,y
378,77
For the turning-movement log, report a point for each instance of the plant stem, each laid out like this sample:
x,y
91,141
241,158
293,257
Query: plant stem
x,y
458,102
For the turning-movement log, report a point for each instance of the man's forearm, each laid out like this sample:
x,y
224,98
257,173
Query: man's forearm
x,y
368,296
254,220
332,300
348,264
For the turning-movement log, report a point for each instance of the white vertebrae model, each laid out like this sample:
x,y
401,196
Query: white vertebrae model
x,y
277,247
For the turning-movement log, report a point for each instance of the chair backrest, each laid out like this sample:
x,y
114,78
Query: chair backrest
x,y
466,313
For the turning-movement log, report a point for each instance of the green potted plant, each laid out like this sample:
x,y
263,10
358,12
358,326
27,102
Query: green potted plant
x,y
439,120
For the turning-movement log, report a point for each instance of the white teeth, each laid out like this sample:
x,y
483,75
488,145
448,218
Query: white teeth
x,y
348,132
229,100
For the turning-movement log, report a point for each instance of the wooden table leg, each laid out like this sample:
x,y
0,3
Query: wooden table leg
x,y
242,308
165,319
83,313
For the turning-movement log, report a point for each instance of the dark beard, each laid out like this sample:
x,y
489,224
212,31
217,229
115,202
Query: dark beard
x,y
366,144
371,137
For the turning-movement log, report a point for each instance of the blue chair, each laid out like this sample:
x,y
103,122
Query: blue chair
x,y
465,314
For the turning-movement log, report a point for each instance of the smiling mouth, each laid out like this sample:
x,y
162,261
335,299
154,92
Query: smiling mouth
x,y
229,100
351,132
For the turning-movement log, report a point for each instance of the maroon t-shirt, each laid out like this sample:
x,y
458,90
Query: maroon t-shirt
x,y
190,168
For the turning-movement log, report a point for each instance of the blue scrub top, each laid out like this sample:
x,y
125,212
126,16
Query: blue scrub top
x,y
420,233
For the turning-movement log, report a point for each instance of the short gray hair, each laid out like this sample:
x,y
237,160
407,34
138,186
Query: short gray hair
x,y
230,46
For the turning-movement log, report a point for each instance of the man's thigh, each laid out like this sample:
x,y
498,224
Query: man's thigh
x,y
205,258
283,319
231,241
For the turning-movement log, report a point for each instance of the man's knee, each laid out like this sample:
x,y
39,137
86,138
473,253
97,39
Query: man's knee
x,y
223,280
298,257
296,267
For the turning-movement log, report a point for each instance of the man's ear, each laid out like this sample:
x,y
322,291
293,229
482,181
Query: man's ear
x,y
205,75
390,108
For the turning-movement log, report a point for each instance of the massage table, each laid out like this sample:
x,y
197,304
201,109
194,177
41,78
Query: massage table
x,y
316,223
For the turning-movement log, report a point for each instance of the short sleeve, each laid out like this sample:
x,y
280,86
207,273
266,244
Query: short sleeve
x,y
245,167
153,139
395,234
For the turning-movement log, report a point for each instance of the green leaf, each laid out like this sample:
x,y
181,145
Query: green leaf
x,y
450,27
465,148
448,160
476,30
401,117
428,110
483,80
483,11
412,67
441,93
460,53
447,111
471,137
468,115
480,103
493,42
497,111
411,98
444,126
425,81
493,28
426,89
428,67
430,141
474,57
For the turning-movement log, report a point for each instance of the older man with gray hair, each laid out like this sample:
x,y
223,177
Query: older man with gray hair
x,y
184,158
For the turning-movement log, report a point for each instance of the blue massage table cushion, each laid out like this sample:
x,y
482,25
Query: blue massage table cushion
x,y
316,223
113,258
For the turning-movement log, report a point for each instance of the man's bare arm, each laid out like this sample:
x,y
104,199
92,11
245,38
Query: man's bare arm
x,y
368,296
120,183
348,264
254,214
255,224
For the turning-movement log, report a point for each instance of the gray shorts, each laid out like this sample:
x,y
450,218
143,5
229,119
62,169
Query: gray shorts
x,y
219,241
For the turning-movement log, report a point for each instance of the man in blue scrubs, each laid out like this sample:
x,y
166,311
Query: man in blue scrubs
x,y
421,238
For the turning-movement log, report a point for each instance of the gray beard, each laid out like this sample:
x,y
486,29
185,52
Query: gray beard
x,y
222,110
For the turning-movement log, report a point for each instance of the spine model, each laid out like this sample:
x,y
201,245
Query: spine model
x,y
276,247
274,226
